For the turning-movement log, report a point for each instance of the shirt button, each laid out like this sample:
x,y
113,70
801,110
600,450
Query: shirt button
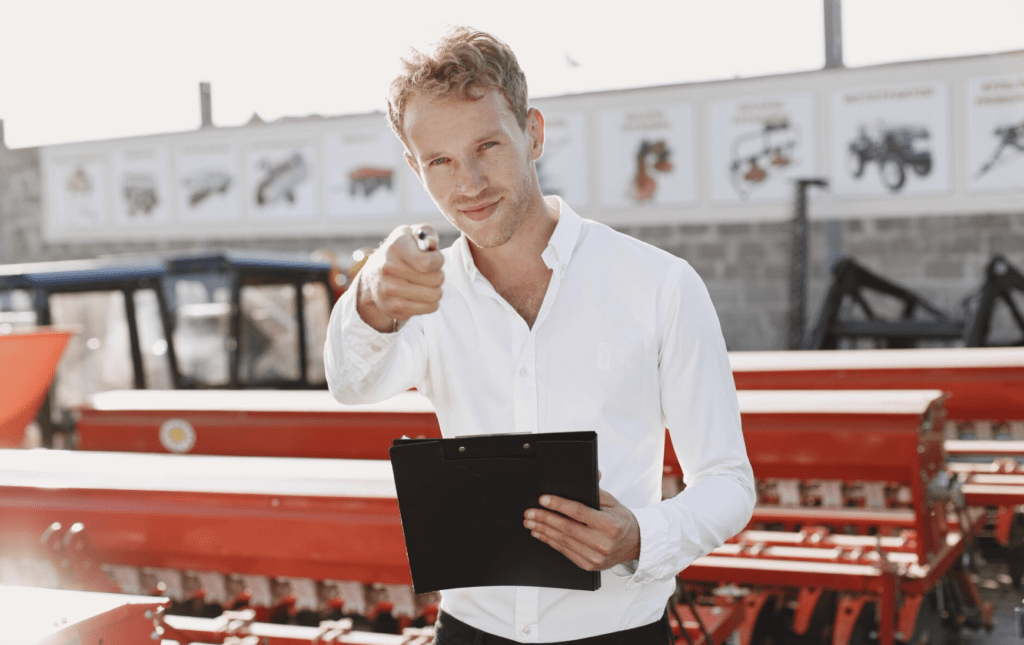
x,y
524,372
526,630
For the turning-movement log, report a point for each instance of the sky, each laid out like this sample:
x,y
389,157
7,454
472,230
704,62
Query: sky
x,y
82,71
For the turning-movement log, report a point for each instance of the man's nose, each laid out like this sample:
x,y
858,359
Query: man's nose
x,y
470,179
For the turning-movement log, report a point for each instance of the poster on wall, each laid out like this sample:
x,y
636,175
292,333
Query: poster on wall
x,y
208,182
562,169
890,140
141,195
282,181
995,133
759,144
77,191
647,157
361,173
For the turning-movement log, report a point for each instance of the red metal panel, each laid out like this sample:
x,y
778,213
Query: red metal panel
x,y
832,446
245,521
29,361
983,383
312,425
270,424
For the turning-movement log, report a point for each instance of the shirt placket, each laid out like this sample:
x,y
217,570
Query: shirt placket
x,y
525,389
527,611
524,400
527,603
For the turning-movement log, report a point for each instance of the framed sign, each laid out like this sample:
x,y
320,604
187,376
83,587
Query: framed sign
x,y
141,188
758,144
647,157
361,173
77,191
209,182
890,140
282,180
995,133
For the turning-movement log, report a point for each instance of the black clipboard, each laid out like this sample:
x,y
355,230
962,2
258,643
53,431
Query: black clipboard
x,y
462,502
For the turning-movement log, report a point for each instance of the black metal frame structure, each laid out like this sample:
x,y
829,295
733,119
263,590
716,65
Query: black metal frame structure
x,y
850,284
919,321
1002,280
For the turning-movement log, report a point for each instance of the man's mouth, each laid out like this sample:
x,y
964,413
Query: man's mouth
x,y
478,212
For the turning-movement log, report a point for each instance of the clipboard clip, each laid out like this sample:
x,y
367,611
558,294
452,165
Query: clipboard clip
x,y
518,448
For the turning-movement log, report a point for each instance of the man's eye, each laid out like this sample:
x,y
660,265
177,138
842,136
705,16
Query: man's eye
x,y
438,161
489,144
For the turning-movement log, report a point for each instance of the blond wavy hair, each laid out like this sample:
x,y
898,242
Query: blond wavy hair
x,y
465,63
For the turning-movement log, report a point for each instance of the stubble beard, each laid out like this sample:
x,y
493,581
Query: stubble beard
x,y
500,227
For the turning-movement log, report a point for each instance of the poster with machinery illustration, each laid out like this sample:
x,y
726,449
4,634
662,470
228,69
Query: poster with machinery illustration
x,y
758,144
562,169
209,186
890,140
360,173
141,195
647,156
995,133
282,180
77,191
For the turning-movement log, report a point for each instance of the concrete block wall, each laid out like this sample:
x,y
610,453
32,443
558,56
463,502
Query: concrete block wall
x,y
745,265
20,208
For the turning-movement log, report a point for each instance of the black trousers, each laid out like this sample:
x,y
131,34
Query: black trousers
x,y
449,630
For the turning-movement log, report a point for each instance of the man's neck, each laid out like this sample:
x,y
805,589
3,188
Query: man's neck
x,y
521,255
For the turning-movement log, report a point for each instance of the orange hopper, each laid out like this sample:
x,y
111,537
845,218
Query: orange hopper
x,y
28,361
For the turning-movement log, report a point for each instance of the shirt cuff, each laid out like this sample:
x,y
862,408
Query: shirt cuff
x,y
663,553
364,345
624,569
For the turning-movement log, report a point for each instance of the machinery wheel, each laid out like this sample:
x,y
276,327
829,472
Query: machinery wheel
x,y
893,173
855,161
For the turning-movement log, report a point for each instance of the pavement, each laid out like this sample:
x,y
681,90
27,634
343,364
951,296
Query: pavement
x,y
996,587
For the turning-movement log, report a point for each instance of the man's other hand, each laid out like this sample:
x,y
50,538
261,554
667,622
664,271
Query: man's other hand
x,y
593,539
401,279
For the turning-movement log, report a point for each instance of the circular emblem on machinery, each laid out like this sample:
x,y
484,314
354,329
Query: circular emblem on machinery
x,y
177,435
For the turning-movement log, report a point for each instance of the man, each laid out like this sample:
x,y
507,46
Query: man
x,y
536,320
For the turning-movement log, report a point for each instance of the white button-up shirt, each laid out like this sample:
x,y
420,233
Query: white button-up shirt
x,y
626,343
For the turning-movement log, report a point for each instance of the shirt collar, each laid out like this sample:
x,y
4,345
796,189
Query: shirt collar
x,y
566,234
559,249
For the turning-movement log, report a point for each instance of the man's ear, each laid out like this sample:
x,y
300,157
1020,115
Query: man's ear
x,y
535,130
409,159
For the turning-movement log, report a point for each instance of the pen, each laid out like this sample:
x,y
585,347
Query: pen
x,y
425,241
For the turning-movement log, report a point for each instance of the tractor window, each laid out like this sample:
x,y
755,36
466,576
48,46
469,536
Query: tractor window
x,y
152,342
269,342
202,315
98,358
16,310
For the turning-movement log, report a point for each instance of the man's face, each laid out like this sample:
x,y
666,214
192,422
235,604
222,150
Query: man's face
x,y
475,161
